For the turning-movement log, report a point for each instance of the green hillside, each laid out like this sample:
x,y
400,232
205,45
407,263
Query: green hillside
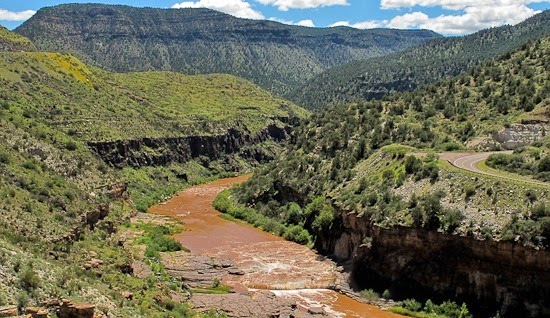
x,y
360,158
63,205
405,71
10,41
275,56
99,106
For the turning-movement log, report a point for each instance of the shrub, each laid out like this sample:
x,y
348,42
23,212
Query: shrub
x,y
370,294
411,304
4,157
297,234
324,220
70,145
28,279
450,219
469,191
22,300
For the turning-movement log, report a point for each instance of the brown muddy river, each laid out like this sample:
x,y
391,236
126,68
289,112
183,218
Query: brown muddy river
x,y
269,262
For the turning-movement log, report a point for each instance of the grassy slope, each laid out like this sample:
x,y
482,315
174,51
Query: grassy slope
x,y
10,41
97,106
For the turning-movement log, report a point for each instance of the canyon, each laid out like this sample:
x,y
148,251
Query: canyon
x,y
270,277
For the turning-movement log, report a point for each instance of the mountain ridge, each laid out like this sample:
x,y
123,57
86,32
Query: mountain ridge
x,y
436,59
271,54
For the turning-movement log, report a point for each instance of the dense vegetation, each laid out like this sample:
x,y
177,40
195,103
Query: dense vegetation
x,y
357,157
278,57
525,161
62,207
416,66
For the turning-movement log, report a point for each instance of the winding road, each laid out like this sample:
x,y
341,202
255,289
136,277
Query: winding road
x,y
470,161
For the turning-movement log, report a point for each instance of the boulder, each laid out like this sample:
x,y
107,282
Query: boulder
x,y
8,311
69,309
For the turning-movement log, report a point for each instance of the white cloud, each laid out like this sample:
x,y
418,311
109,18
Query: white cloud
x,y
362,25
471,15
453,4
306,23
472,20
6,15
238,8
284,5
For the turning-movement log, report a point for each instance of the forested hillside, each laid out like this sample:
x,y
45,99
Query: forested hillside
x,y
278,57
357,157
362,182
404,71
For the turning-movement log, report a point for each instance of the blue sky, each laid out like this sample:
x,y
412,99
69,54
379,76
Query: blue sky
x,y
448,17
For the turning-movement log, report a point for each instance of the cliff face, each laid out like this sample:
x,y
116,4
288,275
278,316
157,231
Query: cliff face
x,y
162,151
411,262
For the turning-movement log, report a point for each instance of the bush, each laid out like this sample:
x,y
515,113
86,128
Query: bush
x,y
162,244
4,157
469,191
370,294
28,279
323,221
450,219
411,304
297,234
70,145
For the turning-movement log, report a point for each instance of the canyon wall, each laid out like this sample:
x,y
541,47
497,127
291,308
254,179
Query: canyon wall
x,y
416,263
163,151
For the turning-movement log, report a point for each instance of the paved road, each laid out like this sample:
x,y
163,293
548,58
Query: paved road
x,y
470,161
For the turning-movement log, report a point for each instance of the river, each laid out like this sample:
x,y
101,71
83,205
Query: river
x,y
269,262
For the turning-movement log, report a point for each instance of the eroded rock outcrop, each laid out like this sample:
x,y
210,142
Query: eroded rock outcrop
x,y
488,275
519,135
70,309
162,151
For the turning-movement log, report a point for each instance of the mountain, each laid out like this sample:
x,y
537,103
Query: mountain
x,y
362,182
275,56
416,66
83,149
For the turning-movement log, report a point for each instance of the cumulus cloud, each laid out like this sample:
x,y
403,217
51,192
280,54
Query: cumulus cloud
x,y
473,19
373,24
306,23
284,5
471,15
6,15
452,4
238,8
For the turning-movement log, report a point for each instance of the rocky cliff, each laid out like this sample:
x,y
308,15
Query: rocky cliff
x,y
162,151
417,263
